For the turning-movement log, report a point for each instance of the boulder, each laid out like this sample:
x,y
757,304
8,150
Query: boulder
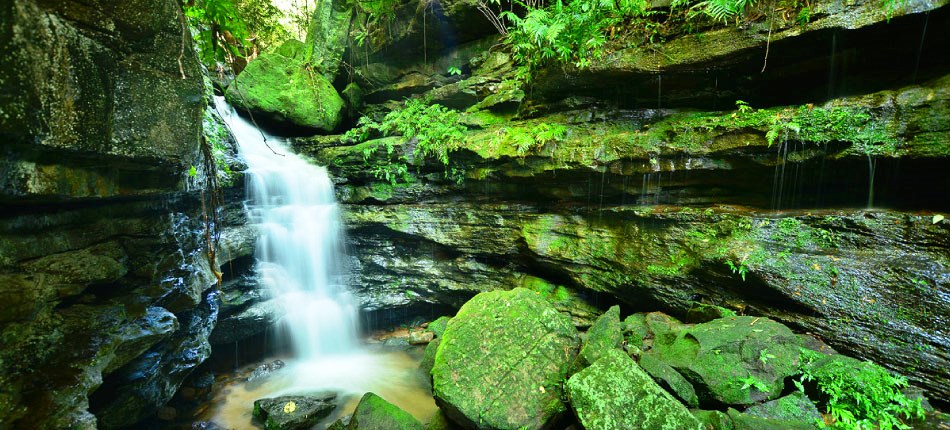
x,y
420,337
615,393
737,361
263,372
286,90
604,335
793,407
502,360
436,327
742,421
293,412
327,37
375,413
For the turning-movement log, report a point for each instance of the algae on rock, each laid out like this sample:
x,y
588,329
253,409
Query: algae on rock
x,y
502,361
286,89
614,393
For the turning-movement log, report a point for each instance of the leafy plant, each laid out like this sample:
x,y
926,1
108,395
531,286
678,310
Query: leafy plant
x,y
764,356
738,267
220,30
723,10
859,397
454,71
565,32
427,130
753,382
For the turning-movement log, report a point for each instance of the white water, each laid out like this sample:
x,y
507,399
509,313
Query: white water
x,y
300,248
300,256
300,252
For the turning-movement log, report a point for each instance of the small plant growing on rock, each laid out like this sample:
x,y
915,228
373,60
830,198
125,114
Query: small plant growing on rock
x,y
859,395
429,130
750,382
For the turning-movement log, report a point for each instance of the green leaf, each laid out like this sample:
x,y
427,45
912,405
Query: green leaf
x,y
937,218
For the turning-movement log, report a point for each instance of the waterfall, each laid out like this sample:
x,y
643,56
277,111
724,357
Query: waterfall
x,y
300,247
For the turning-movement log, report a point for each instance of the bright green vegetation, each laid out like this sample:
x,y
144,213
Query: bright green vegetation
x,y
214,19
375,413
860,395
431,130
227,29
502,361
566,32
806,123
216,136
615,393
286,88
531,138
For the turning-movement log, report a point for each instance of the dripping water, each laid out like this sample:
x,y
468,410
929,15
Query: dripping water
x,y
920,48
872,168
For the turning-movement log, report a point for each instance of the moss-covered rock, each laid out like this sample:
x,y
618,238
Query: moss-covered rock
x,y
738,361
287,90
713,420
502,360
793,407
326,37
437,327
742,421
604,335
375,413
440,422
614,393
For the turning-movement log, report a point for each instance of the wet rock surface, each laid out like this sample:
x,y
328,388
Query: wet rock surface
x,y
293,412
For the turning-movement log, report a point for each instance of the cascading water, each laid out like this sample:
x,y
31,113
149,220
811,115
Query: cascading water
x,y
300,248
300,256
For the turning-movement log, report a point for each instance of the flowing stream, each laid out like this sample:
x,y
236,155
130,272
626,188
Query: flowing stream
x,y
300,257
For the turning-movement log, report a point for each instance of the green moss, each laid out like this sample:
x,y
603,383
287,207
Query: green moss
x,y
614,393
375,413
287,90
502,361
604,335
859,394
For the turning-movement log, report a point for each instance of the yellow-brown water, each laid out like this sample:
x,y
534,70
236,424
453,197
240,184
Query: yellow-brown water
x,y
391,373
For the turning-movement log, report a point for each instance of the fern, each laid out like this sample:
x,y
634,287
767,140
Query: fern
x,y
723,10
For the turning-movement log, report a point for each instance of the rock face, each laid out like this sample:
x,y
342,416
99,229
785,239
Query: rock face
x,y
283,88
101,84
107,295
615,393
716,356
501,361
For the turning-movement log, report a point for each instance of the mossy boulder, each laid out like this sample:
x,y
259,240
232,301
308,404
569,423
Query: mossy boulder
x,y
713,420
736,361
375,413
285,89
743,421
502,360
437,327
293,412
604,335
614,393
